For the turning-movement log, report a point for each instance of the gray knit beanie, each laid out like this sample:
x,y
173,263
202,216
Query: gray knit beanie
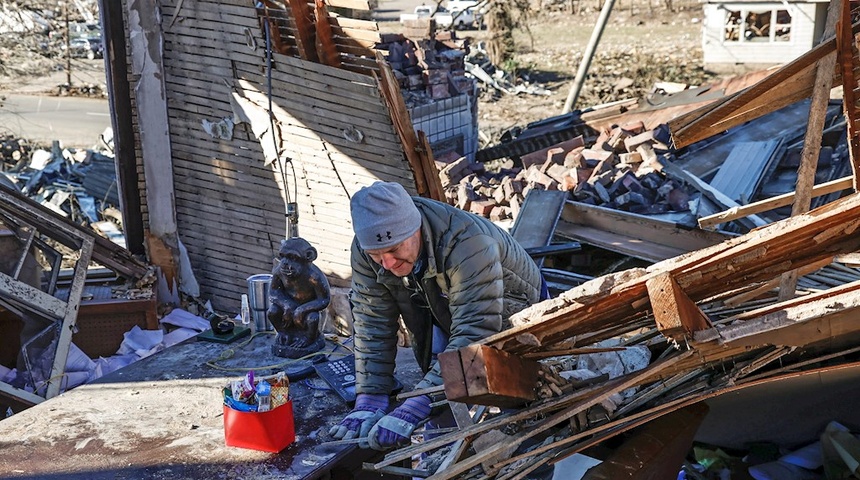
x,y
383,215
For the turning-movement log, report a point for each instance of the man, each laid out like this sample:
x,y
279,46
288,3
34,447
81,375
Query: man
x,y
455,278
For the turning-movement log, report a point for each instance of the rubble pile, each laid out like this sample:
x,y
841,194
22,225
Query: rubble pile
x,y
428,65
76,183
619,170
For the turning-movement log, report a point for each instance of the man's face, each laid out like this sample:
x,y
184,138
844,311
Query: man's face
x,y
399,259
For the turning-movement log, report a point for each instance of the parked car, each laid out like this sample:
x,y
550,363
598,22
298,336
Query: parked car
x,y
444,18
90,48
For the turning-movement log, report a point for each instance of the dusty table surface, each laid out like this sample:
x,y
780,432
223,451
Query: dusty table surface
x,y
161,418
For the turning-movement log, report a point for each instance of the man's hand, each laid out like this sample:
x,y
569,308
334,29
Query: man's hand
x,y
396,428
367,411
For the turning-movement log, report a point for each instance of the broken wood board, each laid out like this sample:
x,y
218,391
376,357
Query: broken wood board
x,y
477,372
18,209
638,236
675,314
774,202
789,84
755,257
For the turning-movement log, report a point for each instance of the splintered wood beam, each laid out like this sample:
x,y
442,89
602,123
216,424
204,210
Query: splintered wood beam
x,y
305,43
846,45
429,170
412,147
813,310
759,256
676,315
789,84
812,139
487,376
325,47
353,4
773,202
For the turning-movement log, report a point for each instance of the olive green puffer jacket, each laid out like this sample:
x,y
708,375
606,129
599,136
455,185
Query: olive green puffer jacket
x,y
477,276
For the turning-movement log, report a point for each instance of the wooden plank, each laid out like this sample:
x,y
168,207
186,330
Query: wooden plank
x,y
640,236
676,315
451,366
774,202
33,297
402,124
326,49
349,51
811,140
846,45
793,82
353,23
480,374
428,168
305,30
757,256
357,33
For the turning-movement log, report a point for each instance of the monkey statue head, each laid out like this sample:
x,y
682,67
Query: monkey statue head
x,y
294,256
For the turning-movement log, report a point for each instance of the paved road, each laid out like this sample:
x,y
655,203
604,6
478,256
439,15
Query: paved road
x,y
74,121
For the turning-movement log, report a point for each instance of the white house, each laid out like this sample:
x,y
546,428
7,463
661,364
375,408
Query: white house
x,y
760,32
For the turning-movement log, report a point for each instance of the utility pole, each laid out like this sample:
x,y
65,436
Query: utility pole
x,y
68,46
579,80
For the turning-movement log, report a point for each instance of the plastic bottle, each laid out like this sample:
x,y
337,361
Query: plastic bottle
x,y
264,399
246,314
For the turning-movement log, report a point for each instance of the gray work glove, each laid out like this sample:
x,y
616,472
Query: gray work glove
x,y
395,429
367,411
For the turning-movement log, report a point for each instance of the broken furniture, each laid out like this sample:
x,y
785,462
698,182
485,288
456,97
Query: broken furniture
x,y
36,224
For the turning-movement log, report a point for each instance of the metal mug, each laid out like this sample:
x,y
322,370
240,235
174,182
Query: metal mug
x,y
258,300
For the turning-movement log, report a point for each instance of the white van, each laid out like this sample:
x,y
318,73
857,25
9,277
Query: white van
x,y
471,16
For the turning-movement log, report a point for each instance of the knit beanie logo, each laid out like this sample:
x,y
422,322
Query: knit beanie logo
x,y
383,215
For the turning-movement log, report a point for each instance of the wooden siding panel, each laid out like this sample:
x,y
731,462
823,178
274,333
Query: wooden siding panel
x,y
229,204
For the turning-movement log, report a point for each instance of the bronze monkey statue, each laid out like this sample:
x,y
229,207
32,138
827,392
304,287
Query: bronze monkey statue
x,y
298,293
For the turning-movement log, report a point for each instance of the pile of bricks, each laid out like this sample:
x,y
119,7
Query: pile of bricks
x,y
429,65
619,171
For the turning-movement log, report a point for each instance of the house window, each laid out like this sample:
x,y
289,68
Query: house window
x,y
765,25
